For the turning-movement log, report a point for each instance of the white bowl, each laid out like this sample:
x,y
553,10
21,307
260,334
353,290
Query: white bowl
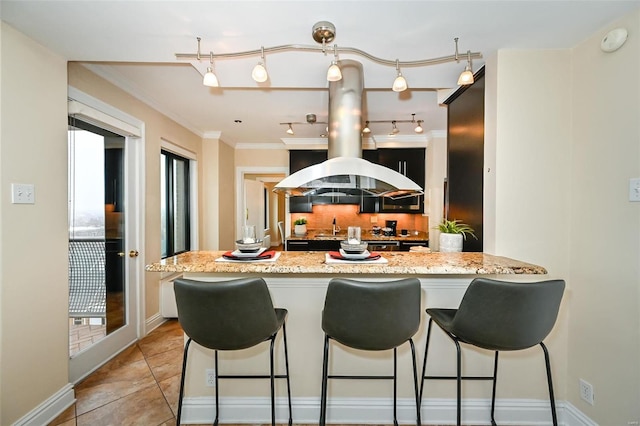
x,y
351,248
248,247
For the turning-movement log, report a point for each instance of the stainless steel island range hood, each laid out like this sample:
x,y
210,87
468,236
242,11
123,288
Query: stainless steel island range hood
x,y
346,170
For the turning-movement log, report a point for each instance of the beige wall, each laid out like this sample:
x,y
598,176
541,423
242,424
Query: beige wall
x,y
604,326
436,172
157,127
563,141
226,172
33,249
526,187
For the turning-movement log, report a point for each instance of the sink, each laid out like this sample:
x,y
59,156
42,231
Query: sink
x,y
324,234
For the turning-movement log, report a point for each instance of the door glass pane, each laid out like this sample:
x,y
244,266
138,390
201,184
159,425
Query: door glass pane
x,y
163,206
180,199
96,234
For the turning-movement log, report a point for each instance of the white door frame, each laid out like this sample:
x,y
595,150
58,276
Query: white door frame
x,y
101,114
252,170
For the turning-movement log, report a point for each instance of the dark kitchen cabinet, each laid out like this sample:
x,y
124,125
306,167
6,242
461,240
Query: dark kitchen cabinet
x,y
298,160
465,159
411,163
301,158
312,245
406,245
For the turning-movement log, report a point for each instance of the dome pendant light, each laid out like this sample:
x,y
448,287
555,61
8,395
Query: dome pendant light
x,y
399,84
210,78
419,128
334,73
366,128
259,73
290,129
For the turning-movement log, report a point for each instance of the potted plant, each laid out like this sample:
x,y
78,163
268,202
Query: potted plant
x,y
452,233
300,226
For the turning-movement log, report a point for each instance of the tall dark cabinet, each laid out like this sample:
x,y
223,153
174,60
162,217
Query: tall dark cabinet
x,y
465,158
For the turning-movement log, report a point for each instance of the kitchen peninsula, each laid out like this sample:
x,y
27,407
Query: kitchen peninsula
x,y
298,282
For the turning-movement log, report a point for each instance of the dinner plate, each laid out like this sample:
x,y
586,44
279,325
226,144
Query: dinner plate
x,y
239,254
362,255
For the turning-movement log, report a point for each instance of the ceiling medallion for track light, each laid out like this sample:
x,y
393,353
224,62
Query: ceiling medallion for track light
x,y
324,32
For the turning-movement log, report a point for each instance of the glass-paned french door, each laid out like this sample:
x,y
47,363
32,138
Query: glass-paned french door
x,y
99,233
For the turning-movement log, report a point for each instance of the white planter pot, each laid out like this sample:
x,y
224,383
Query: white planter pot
x,y
300,229
450,243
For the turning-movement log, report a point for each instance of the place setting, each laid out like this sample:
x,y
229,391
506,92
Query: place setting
x,y
354,250
249,249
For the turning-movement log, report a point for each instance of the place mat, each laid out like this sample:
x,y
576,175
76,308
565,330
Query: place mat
x,y
267,256
334,257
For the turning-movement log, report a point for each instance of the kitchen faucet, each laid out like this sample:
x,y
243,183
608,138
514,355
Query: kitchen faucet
x,y
336,228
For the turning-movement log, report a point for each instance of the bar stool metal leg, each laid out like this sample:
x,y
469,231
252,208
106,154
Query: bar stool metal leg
x,y
552,399
323,394
286,365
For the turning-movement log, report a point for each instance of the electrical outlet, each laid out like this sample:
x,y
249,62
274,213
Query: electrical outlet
x,y
210,377
586,392
634,189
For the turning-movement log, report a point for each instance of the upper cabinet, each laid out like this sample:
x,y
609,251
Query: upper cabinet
x,y
411,163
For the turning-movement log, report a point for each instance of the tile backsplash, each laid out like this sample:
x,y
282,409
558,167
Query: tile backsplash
x,y
347,215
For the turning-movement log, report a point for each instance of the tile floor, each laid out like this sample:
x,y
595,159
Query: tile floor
x,y
147,374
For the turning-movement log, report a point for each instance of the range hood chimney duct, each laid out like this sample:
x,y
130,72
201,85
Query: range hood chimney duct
x,y
346,169
345,112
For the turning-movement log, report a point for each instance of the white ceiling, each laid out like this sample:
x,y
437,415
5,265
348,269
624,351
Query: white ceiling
x,y
133,44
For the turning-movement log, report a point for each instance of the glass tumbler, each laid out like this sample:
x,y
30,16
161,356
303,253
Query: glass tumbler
x,y
353,235
249,234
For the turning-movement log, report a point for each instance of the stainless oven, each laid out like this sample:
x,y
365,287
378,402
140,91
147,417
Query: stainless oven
x,y
383,245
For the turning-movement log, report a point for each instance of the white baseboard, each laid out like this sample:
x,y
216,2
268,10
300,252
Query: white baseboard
x,y
521,412
153,322
50,409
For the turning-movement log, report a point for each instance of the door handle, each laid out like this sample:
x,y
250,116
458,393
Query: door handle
x,y
121,253
133,253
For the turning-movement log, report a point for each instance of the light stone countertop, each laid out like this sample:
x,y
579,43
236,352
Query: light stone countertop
x,y
399,263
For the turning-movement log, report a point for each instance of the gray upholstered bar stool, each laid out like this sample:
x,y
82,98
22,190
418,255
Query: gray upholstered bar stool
x,y
371,316
498,316
227,316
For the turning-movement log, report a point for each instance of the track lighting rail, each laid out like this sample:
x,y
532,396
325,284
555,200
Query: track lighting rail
x,y
329,50
324,32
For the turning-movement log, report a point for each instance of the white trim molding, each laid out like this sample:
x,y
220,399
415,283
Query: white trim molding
x,y
253,410
49,409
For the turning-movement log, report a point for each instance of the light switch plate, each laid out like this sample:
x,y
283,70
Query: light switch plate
x,y
634,189
23,193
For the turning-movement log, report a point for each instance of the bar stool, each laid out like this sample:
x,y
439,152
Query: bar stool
x,y
499,316
230,315
371,316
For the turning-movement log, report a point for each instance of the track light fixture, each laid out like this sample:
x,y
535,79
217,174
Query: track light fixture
x,y
418,128
399,84
394,125
466,76
210,78
334,73
259,73
324,32
311,119
394,129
